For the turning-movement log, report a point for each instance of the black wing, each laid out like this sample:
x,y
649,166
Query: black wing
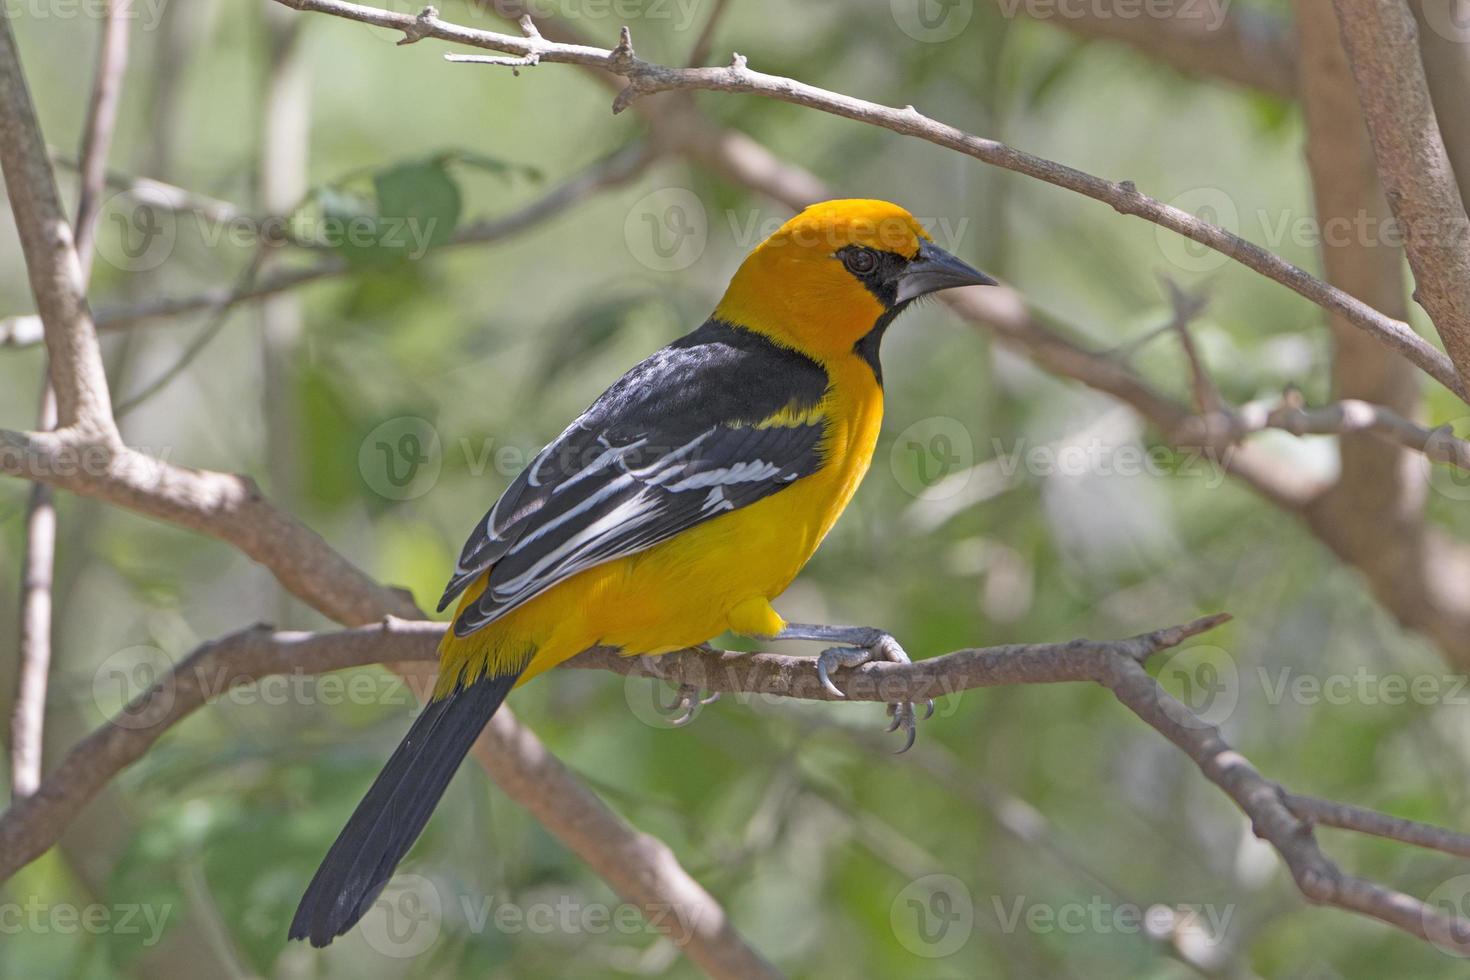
x,y
674,443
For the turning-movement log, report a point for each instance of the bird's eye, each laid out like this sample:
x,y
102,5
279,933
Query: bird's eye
x,y
859,261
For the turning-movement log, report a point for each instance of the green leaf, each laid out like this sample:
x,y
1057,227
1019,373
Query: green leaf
x,y
418,207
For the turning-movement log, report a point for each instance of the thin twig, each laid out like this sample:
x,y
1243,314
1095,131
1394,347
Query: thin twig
x,y
704,43
1338,418
1186,307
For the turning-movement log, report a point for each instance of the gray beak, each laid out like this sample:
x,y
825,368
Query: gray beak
x,y
934,269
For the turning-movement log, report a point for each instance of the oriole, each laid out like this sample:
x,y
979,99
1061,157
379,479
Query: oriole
x,y
675,508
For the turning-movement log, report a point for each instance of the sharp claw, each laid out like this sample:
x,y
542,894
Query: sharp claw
x,y
715,696
897,720
909,742
827,681
928,709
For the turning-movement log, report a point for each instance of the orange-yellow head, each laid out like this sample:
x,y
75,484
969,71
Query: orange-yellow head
x,y
830,280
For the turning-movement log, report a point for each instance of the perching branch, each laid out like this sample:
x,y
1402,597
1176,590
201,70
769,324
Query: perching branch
x,y
1283,820
644,78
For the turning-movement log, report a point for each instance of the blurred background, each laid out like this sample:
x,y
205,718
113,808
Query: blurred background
x,y
1032,832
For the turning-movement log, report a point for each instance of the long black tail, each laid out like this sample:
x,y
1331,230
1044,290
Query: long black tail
x,y
392,815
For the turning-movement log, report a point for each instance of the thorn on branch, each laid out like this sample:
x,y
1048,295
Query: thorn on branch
x,y
737,62
423,25
622,57
528,27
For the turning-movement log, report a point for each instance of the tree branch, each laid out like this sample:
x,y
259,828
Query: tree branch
x,y
644,78
28,714
51,256
210,672
1382,45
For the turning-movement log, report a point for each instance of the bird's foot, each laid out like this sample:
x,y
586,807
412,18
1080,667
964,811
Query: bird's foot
x,y
884,647
687,703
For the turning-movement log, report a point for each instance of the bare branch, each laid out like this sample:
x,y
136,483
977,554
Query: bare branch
x,y
644,78
1186,307
28,714
704,43
1346,417
52,263
1345,816
1382,45
31,826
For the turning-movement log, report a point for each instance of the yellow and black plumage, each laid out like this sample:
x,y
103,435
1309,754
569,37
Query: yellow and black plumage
x,y
675,508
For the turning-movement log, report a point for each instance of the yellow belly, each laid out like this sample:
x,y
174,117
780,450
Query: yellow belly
x,y
685,590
